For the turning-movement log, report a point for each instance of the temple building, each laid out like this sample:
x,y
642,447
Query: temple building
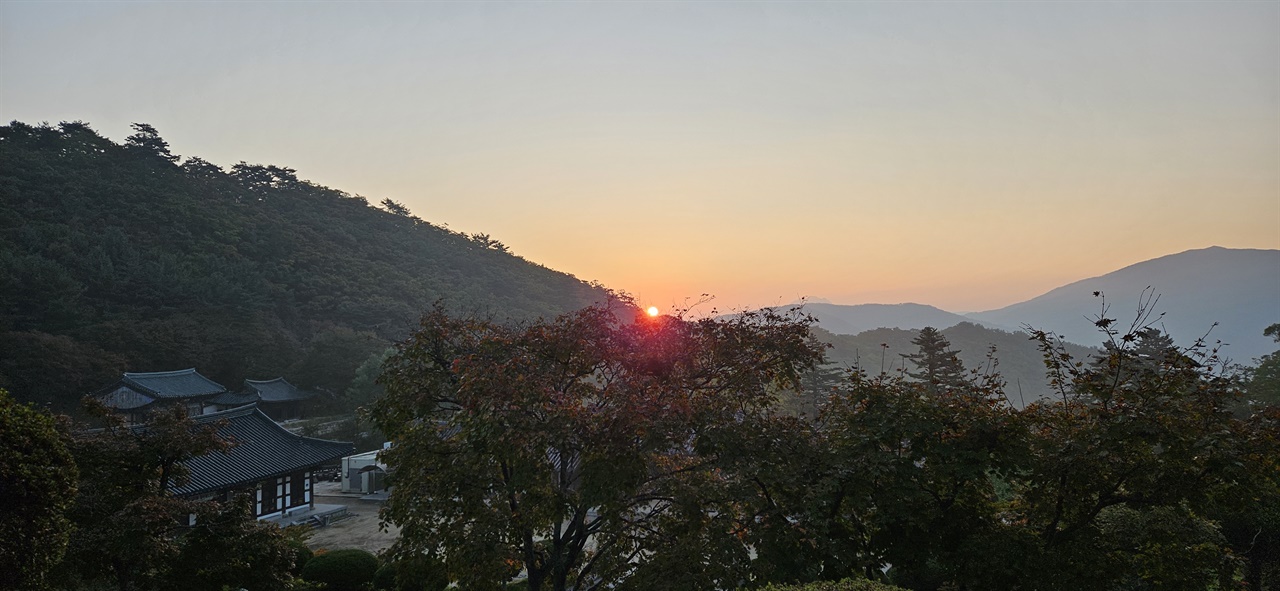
x,y
273,465
136,394
268,462
277,398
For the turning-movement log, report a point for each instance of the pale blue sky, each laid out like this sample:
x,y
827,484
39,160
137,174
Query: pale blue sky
x,y
966,155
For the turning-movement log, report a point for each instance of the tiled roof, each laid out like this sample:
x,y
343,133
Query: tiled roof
x,y
277,390
183,383
122,396
263,450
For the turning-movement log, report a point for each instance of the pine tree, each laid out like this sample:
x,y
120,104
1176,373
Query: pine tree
x,y
146,140
937,365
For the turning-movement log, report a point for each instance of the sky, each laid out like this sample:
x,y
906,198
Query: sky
x,y
967,155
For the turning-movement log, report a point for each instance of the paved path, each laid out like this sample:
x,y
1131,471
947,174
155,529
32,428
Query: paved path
x,y
359,531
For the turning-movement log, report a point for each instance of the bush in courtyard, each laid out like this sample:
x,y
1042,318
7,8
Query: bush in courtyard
x,y
297,537
342,570
845,585
385,578
415,574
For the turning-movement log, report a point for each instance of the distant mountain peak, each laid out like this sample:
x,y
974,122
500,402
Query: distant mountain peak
x,y
854,319
1237,288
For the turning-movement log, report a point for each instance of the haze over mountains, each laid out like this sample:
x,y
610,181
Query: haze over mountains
x,y
1239,289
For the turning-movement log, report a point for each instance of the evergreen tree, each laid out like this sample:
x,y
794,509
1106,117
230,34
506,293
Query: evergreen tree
x,y
1264,381
937,365
147,140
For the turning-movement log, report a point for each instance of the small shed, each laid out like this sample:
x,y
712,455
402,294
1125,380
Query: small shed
x,y
363,473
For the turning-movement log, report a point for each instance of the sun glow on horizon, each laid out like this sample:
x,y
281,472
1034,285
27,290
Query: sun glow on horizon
x,y
653,311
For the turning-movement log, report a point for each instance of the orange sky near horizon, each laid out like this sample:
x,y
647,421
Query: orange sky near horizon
x,y
964,155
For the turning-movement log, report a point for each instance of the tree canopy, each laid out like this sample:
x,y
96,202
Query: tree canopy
x,y
38,478
1264,380
564,447
599,451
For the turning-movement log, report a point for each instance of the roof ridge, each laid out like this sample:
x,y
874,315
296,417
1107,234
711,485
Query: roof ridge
x,y
252,408
279,379
175,372
292,434
128,380
229,413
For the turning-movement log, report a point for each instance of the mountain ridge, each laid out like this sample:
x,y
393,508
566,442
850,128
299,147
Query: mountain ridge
x,y
1188,292
114,257
1228,294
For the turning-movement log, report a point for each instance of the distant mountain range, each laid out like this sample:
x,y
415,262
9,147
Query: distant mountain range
x,y
863,317
1239,289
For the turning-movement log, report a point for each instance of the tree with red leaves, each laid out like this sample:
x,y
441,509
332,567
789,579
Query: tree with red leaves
x,y
564,448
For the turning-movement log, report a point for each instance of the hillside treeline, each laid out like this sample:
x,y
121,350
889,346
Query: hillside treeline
x,y
1014,355
124,257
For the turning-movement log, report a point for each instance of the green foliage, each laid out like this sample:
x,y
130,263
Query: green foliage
x,y
29,359
147,142
1250,516
1020,361
364,387
126,524
910,480
349,569
937,366
129,533
1144,427
1136,476
566,447
842,585
1264,382
296,537
385,578
227,546
112,258
412,574
38,480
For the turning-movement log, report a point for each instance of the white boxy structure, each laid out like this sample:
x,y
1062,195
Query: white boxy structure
x,y
363,473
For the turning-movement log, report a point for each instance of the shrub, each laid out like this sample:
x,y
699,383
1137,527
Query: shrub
x,y
419,574
845,585
341,570
297,537
385,578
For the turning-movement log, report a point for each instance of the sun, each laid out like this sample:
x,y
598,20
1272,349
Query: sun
x,y
653,310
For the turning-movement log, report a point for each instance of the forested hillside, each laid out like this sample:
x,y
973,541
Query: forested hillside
x,y
123,257
1021,363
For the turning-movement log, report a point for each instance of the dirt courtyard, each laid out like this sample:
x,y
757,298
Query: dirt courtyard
x,y
358,531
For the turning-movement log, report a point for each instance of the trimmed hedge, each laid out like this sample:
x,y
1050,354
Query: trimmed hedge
x,y
413,574
341,570
845,585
